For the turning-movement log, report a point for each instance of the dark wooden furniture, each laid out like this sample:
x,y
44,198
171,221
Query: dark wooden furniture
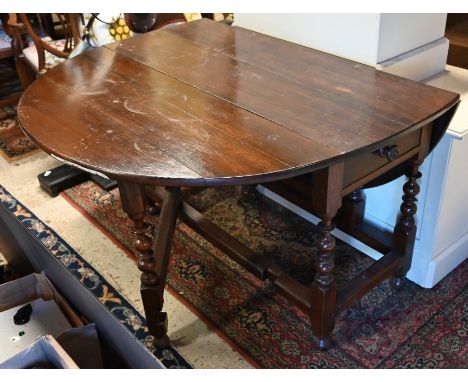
x,y
457,33
204,105
8,51
145,22
34,58
10,87
43,53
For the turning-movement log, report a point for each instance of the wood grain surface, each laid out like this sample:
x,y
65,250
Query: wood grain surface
x,y
203,103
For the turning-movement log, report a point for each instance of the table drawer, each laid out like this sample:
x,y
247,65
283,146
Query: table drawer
x,y
360,166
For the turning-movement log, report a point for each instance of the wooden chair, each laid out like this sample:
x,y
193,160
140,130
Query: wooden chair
x,y
35,54
10,87
6,51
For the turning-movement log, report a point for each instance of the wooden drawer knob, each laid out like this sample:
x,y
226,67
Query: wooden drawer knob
x,y
389,152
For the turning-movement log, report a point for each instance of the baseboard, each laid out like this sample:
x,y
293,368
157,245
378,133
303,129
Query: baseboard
x,y
428,274
379,223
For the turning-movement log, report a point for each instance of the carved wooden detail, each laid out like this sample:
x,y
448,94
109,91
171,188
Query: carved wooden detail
x,y
152,261
326,248
404,233
408,208
323,289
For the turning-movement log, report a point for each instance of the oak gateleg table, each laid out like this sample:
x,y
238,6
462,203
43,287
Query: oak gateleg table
x,y
203,104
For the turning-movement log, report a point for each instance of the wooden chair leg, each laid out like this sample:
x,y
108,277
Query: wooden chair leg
x,y
152,261
324,287
404,233
25,73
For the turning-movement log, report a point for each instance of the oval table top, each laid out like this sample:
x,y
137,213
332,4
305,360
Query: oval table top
x,y
202,103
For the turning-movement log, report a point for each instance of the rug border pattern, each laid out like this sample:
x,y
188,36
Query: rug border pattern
x,y
87,275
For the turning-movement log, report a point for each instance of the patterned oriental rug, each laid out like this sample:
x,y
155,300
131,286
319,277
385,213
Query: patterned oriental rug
x,y
411,328
14,144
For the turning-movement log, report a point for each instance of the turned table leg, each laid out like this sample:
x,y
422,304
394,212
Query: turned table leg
x,y
351,212
152,262
404,233
324,287
162,251
327,199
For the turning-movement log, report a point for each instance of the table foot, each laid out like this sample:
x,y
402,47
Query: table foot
x,y
398,282
324,344
162,342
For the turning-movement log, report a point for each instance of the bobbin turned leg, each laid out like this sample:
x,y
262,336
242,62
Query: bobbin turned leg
x,y
152,262
404,233
324,287
327,199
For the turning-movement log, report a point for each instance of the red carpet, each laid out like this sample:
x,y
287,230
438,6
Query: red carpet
x,y
412,328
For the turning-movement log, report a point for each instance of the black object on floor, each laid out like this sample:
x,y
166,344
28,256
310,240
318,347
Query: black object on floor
x,y
61,178
23,315
2,274
105,183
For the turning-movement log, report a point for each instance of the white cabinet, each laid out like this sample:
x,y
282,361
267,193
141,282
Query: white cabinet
x,y
369,38
442,217
403,32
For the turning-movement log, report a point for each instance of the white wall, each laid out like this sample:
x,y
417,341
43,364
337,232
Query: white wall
x,y
402,32
354,36
369,38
